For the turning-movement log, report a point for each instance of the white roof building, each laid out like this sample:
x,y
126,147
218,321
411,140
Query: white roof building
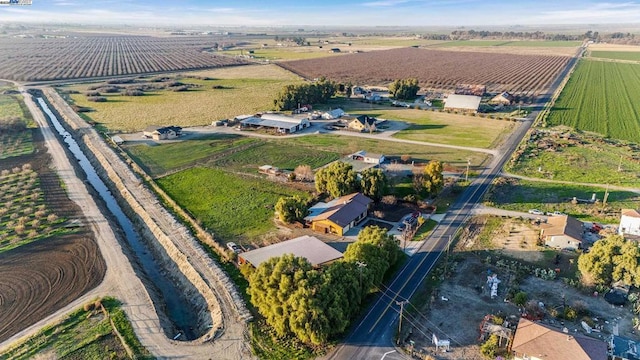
x,y
462,102
629,222
282,123
333,114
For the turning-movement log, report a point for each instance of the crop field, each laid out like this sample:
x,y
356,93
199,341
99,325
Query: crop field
x,y
601,97
221,96
522,195
522,43
24,216
583,159
15,139
524,75
86,333
616,55
95,56
230,205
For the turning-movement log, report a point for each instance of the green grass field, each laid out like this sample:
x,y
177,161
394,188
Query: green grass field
x,y
232,206
82,335
159,159
433,126
279,153
521,195
10,107
245,92
617,55
345,145
601,97
523,43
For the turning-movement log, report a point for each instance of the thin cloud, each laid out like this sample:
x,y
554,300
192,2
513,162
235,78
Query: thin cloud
x,y
385,3
599,12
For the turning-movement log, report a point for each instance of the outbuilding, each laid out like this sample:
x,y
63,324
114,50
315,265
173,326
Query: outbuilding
x,y
281,123
465,103
309,247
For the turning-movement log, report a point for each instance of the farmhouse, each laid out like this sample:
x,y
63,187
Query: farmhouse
x,y
315,251
281,123
629,223
537,342
503,98
333,114
340,215
162,133
563,232
360,123
466,103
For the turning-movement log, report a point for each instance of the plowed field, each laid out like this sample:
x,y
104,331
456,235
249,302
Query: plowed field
x,y
39,278
523,75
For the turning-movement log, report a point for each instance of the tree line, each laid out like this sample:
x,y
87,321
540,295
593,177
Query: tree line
x,y
317,304
291,96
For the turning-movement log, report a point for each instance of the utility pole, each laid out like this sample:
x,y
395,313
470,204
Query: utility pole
x,y
620,164
466,175
401,303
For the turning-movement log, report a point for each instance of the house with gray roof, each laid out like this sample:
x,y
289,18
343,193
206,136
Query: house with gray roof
x,y
340,215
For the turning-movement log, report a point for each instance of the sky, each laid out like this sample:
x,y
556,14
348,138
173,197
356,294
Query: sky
x,y
331,13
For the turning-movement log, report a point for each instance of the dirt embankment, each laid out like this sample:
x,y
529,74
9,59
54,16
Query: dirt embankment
x,y
187,263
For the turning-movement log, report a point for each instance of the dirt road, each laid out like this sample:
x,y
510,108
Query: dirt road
x,y
121,280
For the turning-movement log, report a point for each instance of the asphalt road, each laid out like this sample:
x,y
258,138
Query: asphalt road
x,y
372,337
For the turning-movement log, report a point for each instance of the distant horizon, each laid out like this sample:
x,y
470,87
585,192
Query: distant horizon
x,y
328,14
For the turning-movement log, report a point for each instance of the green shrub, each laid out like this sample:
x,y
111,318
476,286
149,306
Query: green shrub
x,y
520,298
488,349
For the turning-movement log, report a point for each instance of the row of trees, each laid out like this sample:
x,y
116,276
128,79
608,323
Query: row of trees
x,y
291,96
339,179
316,305
404,89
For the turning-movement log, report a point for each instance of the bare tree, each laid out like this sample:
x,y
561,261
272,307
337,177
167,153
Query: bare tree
x,y
303,173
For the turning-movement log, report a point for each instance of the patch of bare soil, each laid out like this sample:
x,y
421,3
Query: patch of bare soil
x,y
518,239
456,309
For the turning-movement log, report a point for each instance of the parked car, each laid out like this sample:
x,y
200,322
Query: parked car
x,y
595,228
233,247
536,212
556,213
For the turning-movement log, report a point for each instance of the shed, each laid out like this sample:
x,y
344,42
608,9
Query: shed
x,y
333,114
309,247
468,103
117,140
282,123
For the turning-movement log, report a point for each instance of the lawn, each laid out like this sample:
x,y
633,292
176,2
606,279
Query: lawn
x,y
82,335
159,159
617,55
522,195
10,107
450,129
434,126
230,205
345,145
592,161
241,92
601,97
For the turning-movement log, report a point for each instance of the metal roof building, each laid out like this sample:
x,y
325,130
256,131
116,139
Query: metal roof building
x,y
462,102
308,247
